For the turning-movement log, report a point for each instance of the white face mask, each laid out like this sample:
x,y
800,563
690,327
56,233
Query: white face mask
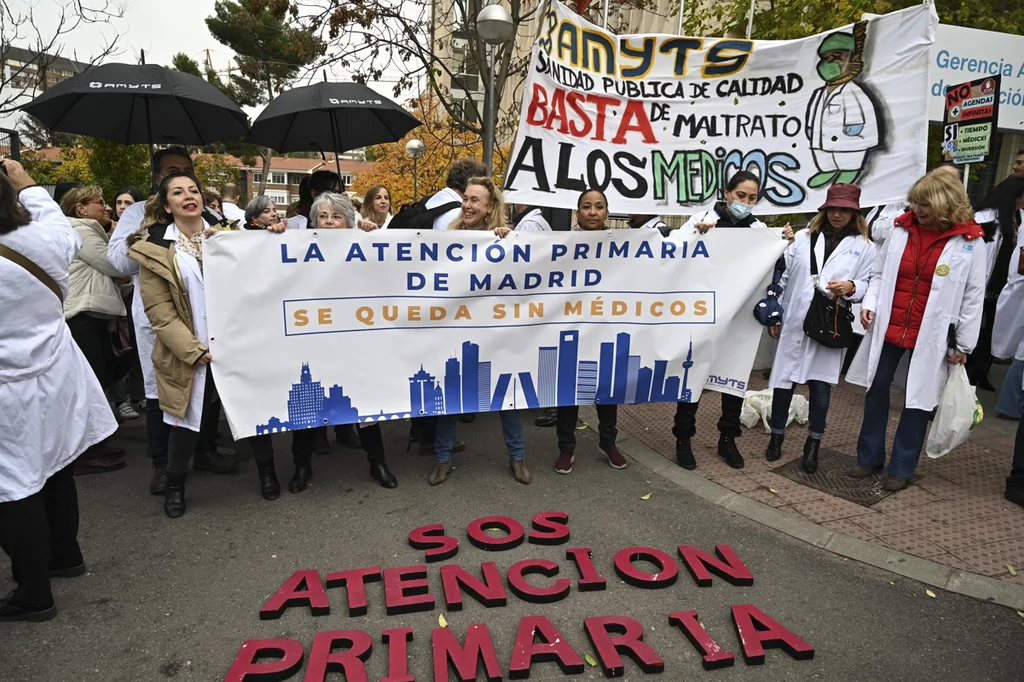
x,y
739,210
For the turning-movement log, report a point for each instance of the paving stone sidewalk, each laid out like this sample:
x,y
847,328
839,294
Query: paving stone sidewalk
x,y
954,513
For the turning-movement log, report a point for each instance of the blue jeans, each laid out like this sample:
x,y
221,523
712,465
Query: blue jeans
x,y
906,446
821,394
511,429
1010,403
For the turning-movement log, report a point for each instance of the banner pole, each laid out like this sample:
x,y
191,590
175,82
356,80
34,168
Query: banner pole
x,y
967,174
605,25
682,6
750,19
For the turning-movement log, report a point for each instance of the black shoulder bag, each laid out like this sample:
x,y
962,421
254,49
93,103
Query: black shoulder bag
x,y
829,321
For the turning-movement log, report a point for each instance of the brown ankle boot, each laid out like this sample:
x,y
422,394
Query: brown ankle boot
x,y
440,473
520,471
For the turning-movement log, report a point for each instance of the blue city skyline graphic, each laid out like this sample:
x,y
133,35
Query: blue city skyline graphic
x,y
467,386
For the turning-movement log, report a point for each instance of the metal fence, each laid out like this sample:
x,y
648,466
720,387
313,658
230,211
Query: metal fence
x,y
10,144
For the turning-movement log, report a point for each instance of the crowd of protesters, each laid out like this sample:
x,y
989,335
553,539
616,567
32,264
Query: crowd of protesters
x,y
105,322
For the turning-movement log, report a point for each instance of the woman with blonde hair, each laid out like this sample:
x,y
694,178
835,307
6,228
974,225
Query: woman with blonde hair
x,y
833,258
483,208
376,206
926,300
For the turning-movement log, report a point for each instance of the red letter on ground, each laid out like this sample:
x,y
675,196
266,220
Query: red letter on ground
x,y
398,640
551,647
589,580
246,668
537,595
713,655
301,589
628,639
549,528
355,586
490,592
437,545
406,590
464,660
728,566
349,662
481,540
665,576
758,631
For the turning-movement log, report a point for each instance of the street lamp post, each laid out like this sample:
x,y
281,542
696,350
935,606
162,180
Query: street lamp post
x,y
493,26
415,150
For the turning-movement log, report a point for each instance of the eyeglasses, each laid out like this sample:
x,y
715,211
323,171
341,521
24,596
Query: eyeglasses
x,y
99,201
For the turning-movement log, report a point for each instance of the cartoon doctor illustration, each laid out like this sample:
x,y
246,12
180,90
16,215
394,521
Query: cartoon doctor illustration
x,y
841,120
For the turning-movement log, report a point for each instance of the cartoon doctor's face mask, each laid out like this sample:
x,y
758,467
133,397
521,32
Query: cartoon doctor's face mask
x,y
832,65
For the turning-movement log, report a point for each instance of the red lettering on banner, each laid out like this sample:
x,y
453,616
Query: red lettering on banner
x,y
437,545
549,528
301,589
564,111
398,640
728,566
323,659
552,647
758,631
480,539
247,667
589,580
713,655
665,576
354,582
614,635
406,590
490,592
464,659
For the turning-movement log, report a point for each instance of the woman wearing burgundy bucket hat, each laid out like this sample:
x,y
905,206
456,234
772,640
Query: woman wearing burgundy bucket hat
x,y
836,246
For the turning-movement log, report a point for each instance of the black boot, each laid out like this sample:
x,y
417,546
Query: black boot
x,y
548,418
303,472
774,451
174,496
270,488
728,451
810,461
379,472
684,454
347,435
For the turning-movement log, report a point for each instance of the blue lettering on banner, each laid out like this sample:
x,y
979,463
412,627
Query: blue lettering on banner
x,y
284,255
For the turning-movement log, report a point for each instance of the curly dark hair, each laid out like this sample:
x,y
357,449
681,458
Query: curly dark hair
x,y
462,170
12,214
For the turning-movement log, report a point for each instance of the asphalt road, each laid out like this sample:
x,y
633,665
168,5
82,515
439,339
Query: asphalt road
x,y
175,599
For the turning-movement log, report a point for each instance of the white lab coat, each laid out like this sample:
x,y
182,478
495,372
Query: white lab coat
x,y
798,358
830,114
117,253
445,196
711,217
51,405
533,221
195,287
232,212
1008,327
881,220
956,298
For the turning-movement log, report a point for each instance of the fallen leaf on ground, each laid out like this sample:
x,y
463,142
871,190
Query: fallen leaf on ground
x,y
892,583
582,426
589,659
1021,614
1010,569
773,491
930,593
645,497
441,620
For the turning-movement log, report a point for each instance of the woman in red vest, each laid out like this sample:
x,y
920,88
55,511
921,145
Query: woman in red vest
x,y
927,303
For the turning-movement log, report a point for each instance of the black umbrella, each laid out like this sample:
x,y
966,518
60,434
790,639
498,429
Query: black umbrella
x,y
139,104
335,116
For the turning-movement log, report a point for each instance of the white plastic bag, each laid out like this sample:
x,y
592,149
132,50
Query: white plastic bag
x,y
958,413
757,406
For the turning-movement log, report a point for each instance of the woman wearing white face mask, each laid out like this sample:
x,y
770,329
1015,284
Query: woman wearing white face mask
x,y
741,194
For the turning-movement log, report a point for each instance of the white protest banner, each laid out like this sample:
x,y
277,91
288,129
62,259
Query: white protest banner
x,y
661,122
312,327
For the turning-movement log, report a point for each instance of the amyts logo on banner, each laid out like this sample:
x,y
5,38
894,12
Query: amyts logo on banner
x,y
342,326
660,122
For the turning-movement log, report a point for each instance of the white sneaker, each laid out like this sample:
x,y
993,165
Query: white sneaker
x,y
125,412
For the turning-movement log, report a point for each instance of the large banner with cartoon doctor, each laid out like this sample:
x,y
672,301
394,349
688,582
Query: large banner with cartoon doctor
x,y
661,122
315,327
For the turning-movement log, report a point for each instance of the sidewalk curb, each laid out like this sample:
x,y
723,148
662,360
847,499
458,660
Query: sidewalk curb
x,y
922,570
